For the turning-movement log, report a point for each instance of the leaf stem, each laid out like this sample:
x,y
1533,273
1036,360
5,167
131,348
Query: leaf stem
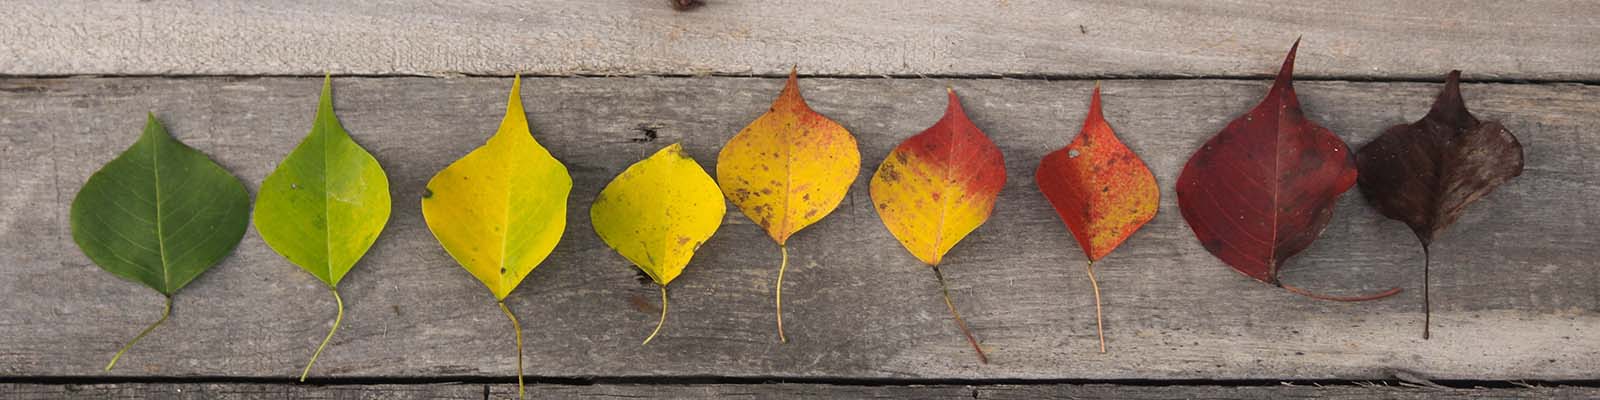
x,y
778,298
1319,296
663,319
336,320
982,358
1427,307
1099,325
517,326
167,311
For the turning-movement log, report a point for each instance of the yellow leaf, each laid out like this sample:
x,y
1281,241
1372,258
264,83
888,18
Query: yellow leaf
x,y
500,210
787,170
657,213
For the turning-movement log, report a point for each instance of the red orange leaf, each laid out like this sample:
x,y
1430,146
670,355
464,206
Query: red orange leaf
x,y
1101,190
938,186
1264,188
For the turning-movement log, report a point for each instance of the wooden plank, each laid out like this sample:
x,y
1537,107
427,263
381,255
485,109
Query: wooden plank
x,y
1421,39
243,391
1515,287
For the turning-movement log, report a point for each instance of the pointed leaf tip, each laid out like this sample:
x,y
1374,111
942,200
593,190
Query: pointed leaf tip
x,y
1094,105
791,91
954,103
1449,105
1286,73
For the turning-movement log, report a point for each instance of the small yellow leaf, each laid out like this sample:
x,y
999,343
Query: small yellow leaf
x,y
500,210
658,212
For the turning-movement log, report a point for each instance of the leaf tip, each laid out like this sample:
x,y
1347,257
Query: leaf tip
x,y
1286,73
955,101
791,89
1094,100
675,149
1449,105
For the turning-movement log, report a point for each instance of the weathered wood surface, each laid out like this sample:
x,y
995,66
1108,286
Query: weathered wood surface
x,y
1539,39
1515,282
245,391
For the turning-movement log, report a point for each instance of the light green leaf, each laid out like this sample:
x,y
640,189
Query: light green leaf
x,y
324,205
327,202
159,214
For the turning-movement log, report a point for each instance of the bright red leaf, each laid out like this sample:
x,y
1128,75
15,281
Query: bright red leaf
x,y
1264,188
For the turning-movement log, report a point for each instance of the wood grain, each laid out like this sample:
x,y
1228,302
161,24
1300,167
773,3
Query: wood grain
x,y
217,391
1515,282
1418,39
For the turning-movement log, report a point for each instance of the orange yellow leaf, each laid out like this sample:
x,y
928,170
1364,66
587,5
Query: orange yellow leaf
x,y
939,185
935,188
787,170
790,167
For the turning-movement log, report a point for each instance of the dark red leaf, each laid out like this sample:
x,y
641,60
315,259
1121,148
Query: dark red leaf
x,y
1427,172
1264,188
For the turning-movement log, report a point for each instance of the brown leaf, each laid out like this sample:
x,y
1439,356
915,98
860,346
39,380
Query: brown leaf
x,y
1427,172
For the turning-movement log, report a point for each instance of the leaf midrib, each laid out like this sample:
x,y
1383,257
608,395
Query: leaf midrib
x,y
944,208
327,216
161,236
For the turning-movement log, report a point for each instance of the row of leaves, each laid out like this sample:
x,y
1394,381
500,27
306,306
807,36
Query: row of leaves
x,y
1255,194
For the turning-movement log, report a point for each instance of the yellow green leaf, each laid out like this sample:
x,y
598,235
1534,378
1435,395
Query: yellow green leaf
x,y
787,170
324,205
657,213
500,210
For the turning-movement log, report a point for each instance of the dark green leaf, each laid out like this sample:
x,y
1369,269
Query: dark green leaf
x,y
159,214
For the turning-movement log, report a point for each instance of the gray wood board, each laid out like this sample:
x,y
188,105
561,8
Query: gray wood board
x,y
1515,283
225,391
1419,39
